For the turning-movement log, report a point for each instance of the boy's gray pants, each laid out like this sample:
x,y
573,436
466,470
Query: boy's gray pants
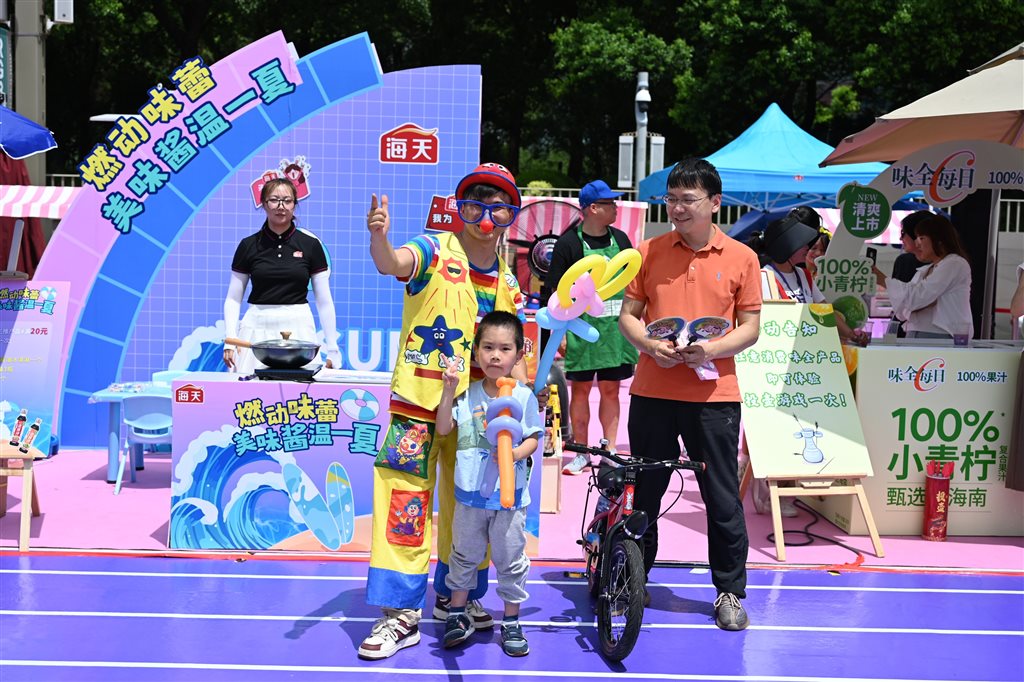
x,y
505,529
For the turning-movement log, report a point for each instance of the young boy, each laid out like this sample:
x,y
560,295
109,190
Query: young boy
x,y
479,517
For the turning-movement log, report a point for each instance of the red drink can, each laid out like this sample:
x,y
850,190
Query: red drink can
x,y
936,508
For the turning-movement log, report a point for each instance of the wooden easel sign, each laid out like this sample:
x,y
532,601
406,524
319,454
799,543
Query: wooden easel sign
x,y
799,415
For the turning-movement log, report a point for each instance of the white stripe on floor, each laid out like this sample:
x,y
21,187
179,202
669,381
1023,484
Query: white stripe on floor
x,y
497,673
532,623
579,582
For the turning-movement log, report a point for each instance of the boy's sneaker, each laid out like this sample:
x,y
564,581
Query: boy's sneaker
x,y
388,635
478,615
457,630
729,612
577,465
513,642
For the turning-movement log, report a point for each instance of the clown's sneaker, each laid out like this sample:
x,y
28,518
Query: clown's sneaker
x,y
388,635
477,614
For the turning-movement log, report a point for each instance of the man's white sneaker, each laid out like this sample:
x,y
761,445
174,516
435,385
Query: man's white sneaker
x,y
388,635
577,465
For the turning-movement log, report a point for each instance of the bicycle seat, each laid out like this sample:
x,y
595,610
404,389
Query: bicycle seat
x,y
610,481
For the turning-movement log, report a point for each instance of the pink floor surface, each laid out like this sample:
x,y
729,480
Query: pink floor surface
x,y
80,512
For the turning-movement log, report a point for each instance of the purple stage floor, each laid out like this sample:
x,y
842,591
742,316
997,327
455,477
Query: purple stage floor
x,y
80,512
119,618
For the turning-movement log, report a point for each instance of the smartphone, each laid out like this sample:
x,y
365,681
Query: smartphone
x,y
872,253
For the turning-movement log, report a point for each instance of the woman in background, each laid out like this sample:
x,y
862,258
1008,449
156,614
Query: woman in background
x,y
783,248
279,261
818,248
936,303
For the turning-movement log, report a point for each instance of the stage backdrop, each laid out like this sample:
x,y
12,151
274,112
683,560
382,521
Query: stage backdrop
x,y
168,195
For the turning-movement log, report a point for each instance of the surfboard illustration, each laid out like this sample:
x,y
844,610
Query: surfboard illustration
x,y
311,505
340,501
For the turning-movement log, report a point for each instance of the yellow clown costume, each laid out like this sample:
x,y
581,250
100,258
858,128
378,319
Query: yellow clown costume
x,y
443,302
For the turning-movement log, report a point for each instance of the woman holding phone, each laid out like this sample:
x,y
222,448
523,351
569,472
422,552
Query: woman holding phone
x,y
936,303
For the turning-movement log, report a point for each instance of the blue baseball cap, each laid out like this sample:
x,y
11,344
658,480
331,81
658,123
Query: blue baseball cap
x,y
595,191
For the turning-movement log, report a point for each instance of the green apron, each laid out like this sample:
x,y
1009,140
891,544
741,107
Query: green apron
x,y
612,349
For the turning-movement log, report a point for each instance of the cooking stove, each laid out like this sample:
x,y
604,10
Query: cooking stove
x,y
301,374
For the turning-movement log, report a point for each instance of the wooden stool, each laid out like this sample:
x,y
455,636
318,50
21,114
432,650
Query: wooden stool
x,y
29,495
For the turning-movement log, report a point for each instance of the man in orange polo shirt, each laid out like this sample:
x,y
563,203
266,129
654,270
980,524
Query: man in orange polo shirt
x,y
694,271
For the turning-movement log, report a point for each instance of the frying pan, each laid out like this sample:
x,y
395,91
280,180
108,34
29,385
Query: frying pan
x,y
280,353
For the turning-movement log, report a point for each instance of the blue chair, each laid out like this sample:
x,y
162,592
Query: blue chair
x,y
147,421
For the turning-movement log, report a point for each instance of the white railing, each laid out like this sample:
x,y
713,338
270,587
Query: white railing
x,y
1012,210
63,180
656,214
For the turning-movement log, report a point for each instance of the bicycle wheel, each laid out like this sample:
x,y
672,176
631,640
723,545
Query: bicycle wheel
x,y
620,609
594,563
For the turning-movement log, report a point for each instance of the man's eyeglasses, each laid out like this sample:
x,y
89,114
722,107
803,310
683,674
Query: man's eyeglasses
x,y
472,212
685,201
278,202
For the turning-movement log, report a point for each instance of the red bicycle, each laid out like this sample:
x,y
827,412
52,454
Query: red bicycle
x,y
615,562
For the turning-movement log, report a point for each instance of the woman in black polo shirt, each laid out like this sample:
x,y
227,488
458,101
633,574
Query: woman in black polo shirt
x,y
279,261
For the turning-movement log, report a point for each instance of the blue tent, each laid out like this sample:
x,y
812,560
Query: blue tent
x,y
774,164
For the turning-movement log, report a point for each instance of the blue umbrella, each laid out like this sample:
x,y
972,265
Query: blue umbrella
x,y
758,220
754,221
21,137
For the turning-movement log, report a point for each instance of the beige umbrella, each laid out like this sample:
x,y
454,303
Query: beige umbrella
x,y
987,105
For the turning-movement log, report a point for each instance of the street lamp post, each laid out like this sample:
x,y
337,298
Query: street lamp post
x,y
641,103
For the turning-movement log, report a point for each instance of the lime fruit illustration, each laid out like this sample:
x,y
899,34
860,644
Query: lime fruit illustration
x,y
853,310
852,358
823,314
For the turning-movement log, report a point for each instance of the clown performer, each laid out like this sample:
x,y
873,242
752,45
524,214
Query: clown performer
x,y
451,282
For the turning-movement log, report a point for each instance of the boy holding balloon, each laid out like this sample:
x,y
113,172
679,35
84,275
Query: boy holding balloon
x,y
451,281
481,515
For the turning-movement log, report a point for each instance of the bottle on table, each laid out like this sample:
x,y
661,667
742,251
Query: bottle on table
x,y
31,435
19,427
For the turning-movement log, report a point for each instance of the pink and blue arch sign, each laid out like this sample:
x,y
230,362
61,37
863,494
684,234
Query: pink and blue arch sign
x,y
147,246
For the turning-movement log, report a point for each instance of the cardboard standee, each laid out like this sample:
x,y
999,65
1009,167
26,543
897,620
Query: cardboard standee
x,y
796,371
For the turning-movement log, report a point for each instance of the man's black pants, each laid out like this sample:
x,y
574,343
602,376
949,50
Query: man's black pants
x,y
710,433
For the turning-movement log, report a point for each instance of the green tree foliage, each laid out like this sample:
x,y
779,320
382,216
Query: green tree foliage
x,y
919,46
594,82
559,75
118,49
746,56
509,39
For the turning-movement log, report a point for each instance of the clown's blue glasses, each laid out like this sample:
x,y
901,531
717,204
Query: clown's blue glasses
x,y
502,215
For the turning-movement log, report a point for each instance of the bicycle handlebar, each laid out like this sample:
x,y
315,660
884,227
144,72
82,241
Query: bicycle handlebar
x,y
635,461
